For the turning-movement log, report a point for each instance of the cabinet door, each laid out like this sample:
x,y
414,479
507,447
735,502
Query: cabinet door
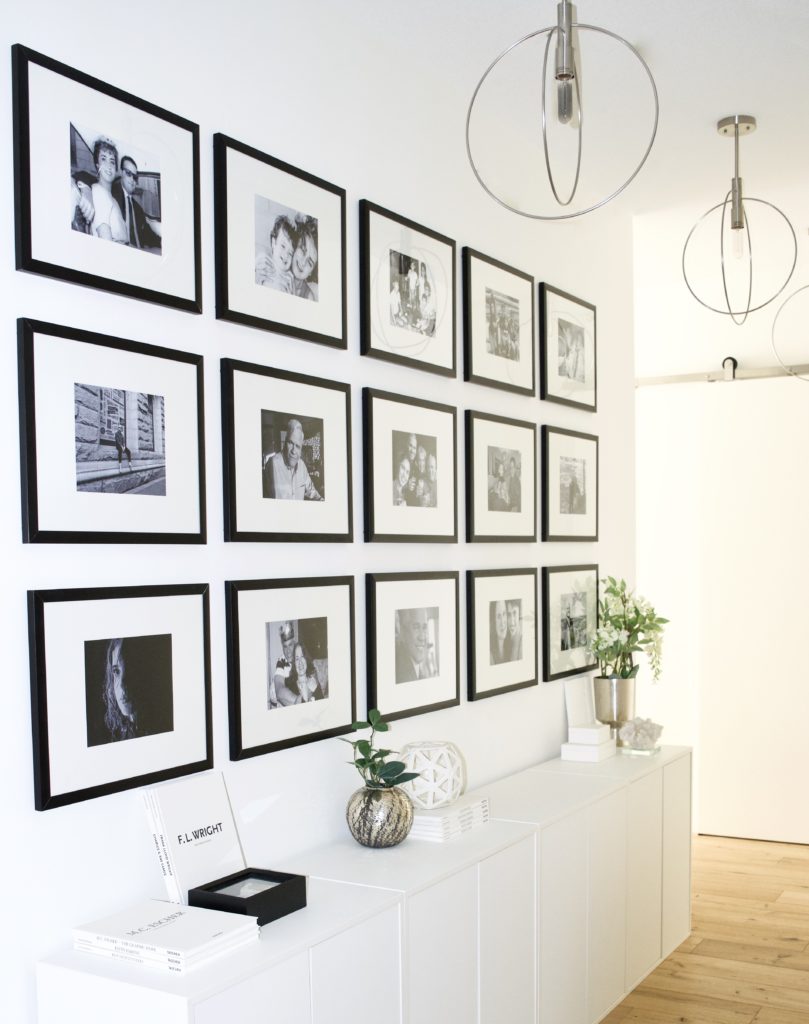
x,y
644,876
507,892
606,946
563,921
676,853
360,967
277,996
441,961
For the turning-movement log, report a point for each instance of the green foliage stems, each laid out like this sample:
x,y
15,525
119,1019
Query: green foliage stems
x,y
371,763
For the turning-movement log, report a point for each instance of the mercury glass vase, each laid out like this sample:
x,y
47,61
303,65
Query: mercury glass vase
x,y
379,817
614,701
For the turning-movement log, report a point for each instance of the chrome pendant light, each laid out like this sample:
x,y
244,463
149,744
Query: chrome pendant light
x,y
567,65
734,213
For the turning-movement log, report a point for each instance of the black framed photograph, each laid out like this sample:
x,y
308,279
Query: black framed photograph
x,y
567,349
410,468
291,675
287,455
569,485
132,224
498,312
570,619
501,482
112,443
501,631
407,292
413,642
120,689
280,246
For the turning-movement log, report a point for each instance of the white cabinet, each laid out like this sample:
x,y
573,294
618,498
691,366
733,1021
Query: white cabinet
x,y
284,987
676,854
645,875
606,903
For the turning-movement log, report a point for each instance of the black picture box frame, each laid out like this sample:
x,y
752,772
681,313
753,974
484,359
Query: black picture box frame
x,y
282,899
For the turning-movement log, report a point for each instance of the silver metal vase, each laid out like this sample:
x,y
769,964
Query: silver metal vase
x,y
379,817
614,701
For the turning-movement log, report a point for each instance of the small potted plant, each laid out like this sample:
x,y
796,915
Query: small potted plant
x,y
378,813
628,625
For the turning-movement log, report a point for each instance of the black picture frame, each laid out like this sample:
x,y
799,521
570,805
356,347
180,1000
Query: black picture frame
x,y
94,503
387,596
288,894
394,426
253,509
131,124
254,700
494,443
421,338
67,631
501,664
569,485
281,304
559,660
499,339
567,323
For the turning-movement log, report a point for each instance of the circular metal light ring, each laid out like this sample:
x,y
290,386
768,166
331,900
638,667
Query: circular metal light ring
x,y
612,195
788,369
569,200
751,309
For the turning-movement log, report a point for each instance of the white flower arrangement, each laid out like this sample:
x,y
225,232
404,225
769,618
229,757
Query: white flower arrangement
x,y
629,625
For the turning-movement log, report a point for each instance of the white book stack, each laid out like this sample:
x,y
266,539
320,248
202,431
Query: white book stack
x,y
166,937
590,741
444,823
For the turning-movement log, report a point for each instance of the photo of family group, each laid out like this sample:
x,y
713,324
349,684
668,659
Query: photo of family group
x,y
573,621
128,688
415,468
115,191
572,486
286,249
412,294
297,662
292,457
502,325
571,351
505,631
416,644
120,441
504,479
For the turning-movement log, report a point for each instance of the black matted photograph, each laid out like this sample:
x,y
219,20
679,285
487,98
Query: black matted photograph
x,y
407,292
498,305
567,349
570,613
500,478
120,689
132,224
111,439
410,469
502,630
570,485
280,246
287,455
413,642
290,662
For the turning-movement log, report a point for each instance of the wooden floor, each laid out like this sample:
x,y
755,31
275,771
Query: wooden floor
x,y
747,958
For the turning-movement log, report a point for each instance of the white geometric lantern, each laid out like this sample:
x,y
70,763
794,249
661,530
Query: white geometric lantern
x,y
442,776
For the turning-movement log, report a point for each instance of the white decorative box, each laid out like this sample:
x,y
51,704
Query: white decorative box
x,y
588,732
588,751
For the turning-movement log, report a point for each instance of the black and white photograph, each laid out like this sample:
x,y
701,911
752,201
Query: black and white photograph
x,y
569,485
112,439
413,642
500,479
287,455
499,345
570,619
407,292
291,666
410,469
120,689
280,246
567,344
292,457
502,638
128,686
133,174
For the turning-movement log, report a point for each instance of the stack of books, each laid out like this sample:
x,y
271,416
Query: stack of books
x,y
165,936
444,823
592,741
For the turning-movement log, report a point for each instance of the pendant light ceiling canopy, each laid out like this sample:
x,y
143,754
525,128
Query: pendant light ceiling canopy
x,y
526,120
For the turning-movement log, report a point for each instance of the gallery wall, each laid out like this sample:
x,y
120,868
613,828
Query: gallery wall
x,y
373,102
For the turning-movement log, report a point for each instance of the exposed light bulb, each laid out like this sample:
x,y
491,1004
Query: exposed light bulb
x,y
564,102
738,247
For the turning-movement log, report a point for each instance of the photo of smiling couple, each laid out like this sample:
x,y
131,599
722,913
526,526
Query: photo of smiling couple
x,y
286,249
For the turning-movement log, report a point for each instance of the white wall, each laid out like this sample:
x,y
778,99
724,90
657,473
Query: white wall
x,y
331,89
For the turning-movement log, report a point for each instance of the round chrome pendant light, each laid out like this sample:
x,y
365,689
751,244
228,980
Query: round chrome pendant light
x,y
801,317
731,215
567,77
